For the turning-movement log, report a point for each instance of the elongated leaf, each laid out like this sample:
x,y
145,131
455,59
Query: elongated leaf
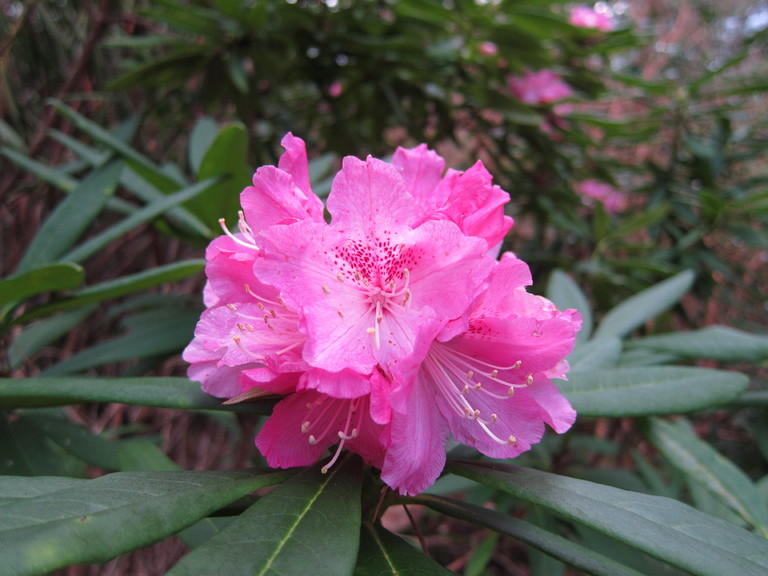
x,y
139,217
53,176
309,525
158,392
71,217
115,288
49,278
385,554
200,140
635,311
556,546
595,355
565,293
712,342
653,390
97,520
44,332
13,488
663,528
168,334
697,459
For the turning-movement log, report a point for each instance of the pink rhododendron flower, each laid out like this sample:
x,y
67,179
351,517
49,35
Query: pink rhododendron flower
x,y
591,190
540,87
586,17
488,385
387,328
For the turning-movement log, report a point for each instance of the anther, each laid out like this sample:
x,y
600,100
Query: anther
x,y
512,440
470,375
240,326
517,364
273,313
339,277
326,289
529,380
305,426
340,313
494,373
232,307
312,439
261,306
477,386
465,390
510,391
494,417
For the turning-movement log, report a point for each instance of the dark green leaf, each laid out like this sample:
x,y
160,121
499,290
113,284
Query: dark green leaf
x,y
309,525
553,544
158,392
385,554
565,293
663,528
102,518
49,278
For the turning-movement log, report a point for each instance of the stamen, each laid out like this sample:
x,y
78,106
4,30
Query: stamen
x,y
529,380
470,375
340,313
232,307
223,224
326,289
339,277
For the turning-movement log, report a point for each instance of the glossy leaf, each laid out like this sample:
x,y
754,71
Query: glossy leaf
x,y
14,488
159,392
385,554
663,528
712,342
99,519
653,390
595,355
309,525
700,461
565,293
48,278
635,311
553,544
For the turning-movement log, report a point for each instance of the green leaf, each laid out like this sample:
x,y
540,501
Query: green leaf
x,y
53,176
226,159
556,546
26,451
385,554
159,392
700,461
149,212
53,277
161,335
309,525
712,342
661,527
565,293
72,216
102,518
115,288
595,355
200,140
653,390
15,488
42,333
635,311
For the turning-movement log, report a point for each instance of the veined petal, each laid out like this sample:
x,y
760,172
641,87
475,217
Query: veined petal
x,y
229,268
344,384
294,162
422,170
275,198
416,453
369,198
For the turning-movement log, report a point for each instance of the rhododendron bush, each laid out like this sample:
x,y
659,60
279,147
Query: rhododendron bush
x,y
379,288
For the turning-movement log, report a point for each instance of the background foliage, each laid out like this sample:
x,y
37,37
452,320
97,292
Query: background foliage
x,y
127,130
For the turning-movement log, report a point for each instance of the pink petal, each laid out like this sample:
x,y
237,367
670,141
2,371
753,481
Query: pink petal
x,y
422,170
343,384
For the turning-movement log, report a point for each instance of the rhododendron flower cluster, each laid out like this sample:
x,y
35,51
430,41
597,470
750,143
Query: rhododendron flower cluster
x,y
586,17
539,87
386,330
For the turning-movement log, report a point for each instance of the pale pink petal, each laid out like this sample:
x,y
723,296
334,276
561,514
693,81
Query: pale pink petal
x,y
555,408
343,384
294,162
229,268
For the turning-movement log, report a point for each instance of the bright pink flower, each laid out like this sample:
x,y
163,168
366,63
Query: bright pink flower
x,y
541,87
591,190
335,89
469,199
586,17
488,386
367,281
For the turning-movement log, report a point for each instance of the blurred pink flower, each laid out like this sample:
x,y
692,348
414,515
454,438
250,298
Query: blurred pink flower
x,y
488,48
591,190
387,328
586,17
335,89
540,87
